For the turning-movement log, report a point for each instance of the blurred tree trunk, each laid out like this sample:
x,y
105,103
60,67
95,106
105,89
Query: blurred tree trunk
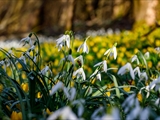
x,y
145,10
53,17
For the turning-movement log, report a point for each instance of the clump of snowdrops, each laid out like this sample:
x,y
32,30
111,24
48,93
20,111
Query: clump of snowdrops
x,y
29,90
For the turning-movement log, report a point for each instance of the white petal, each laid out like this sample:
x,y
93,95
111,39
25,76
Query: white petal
x,y
107,52
115,52
73,93
56,87
137,71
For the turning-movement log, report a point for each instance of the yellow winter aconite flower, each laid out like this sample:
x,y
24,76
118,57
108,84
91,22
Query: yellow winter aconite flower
x,y
108,94
48,111
39,95
16,115
90,57
25,87
139,97
157,43
127,88
149,64
1,88
72,83
95,49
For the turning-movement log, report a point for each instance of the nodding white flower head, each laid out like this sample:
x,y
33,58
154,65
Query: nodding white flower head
x,y
79,103
157,49
79,59
64,113
112,51
155,84
63,41
45,69
23,59
80,73
135,58
27,40
96,74
56,87
143,76
127,68
84,47
68,58
31,48
137,71
146,55
104,65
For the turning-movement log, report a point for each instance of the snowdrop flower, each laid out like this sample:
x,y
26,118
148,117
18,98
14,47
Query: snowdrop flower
x,y
2,63
45,69
134,113
104,65
72,93
22,58
31,48
68,58
27,40
127,68
137,71
97,73
157,102
146,55
135,58
56,87
79,103
95,113
84,47
144,114
155,84
64,113
62,41
80,73
143,76
157,49
79,59
69,94
112,51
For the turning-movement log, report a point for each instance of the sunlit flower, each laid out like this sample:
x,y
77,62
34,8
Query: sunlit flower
x,y
127,68
27,40
135,58
79,59
146,55
64,113
104,65
80,73
84,47
63,41
112,51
